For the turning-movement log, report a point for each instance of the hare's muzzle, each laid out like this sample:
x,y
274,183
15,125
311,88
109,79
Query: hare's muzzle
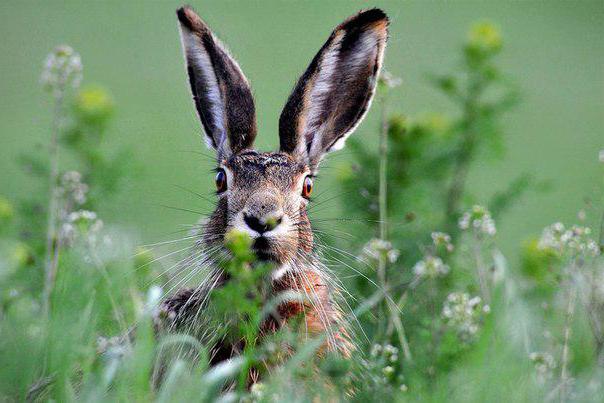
x,y
267,237
263,214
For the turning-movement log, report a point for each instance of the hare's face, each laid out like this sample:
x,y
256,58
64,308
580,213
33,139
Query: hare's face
x,y
265,194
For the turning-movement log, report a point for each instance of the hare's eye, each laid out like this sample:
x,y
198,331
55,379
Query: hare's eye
x,y
307,187
221,181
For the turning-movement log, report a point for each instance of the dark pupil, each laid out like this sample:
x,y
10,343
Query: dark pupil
x,y
308,185
220,180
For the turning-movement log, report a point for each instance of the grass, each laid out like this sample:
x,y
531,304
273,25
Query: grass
x,y
442,316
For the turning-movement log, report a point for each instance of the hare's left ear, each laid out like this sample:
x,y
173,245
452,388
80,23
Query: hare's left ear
x,y
221,93
333,95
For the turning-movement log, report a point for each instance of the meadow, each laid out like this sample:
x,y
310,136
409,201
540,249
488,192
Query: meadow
x,y
463,222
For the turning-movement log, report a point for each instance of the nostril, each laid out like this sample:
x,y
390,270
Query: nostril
x,y
272,223
254,223
261,226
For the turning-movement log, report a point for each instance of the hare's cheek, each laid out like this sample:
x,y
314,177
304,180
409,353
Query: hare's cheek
x,y
235,221
299,203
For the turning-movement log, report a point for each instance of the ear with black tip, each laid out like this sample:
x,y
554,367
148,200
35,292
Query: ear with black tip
x,y
334,93
221,92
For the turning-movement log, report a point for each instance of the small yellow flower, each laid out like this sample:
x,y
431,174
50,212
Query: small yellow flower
x,y
22,254
485,36
94,103
6,209
397,125
437,123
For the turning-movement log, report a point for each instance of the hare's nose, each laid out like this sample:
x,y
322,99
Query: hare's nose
x,y
262,225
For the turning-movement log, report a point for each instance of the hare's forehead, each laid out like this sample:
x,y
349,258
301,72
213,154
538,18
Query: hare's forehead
x,y
253,166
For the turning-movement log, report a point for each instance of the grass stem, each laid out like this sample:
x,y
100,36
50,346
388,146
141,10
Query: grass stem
x,y
52,240
564,376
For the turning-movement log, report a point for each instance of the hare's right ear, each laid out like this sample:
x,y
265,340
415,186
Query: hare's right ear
x,y
221,92
335,91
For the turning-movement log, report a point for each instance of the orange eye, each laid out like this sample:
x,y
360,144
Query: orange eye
x,y
221,181
307,187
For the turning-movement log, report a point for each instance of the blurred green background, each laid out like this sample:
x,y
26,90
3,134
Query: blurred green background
x,y
554,50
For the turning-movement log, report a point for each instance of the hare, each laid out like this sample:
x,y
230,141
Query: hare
x,y
266,194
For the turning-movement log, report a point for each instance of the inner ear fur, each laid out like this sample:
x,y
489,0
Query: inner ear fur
x,y
333,95
221,92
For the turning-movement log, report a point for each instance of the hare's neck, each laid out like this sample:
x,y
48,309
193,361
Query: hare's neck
x,y
305,260
319,311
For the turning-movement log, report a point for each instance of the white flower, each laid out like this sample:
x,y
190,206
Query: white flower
x,y
552,237
67,233
81,216
575,240
480,220
72,188
62,68
112,347
389,80
81,223
464,314
376,350
258,390
388,370
393,255
377,248
442,239
388,352
544,365
431,267
390,349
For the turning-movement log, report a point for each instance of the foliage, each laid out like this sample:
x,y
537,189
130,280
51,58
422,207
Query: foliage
x,y
452,285
442,315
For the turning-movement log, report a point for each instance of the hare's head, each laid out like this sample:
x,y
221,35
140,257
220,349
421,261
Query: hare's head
x,y
266,194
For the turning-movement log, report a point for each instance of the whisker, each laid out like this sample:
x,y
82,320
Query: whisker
x,y
202,197
185,210
151,245
163,257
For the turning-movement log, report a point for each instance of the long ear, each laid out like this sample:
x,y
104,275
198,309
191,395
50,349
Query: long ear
x,y
221,92
333,95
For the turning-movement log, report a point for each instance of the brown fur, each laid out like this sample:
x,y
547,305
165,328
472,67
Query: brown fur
x,y
267,187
